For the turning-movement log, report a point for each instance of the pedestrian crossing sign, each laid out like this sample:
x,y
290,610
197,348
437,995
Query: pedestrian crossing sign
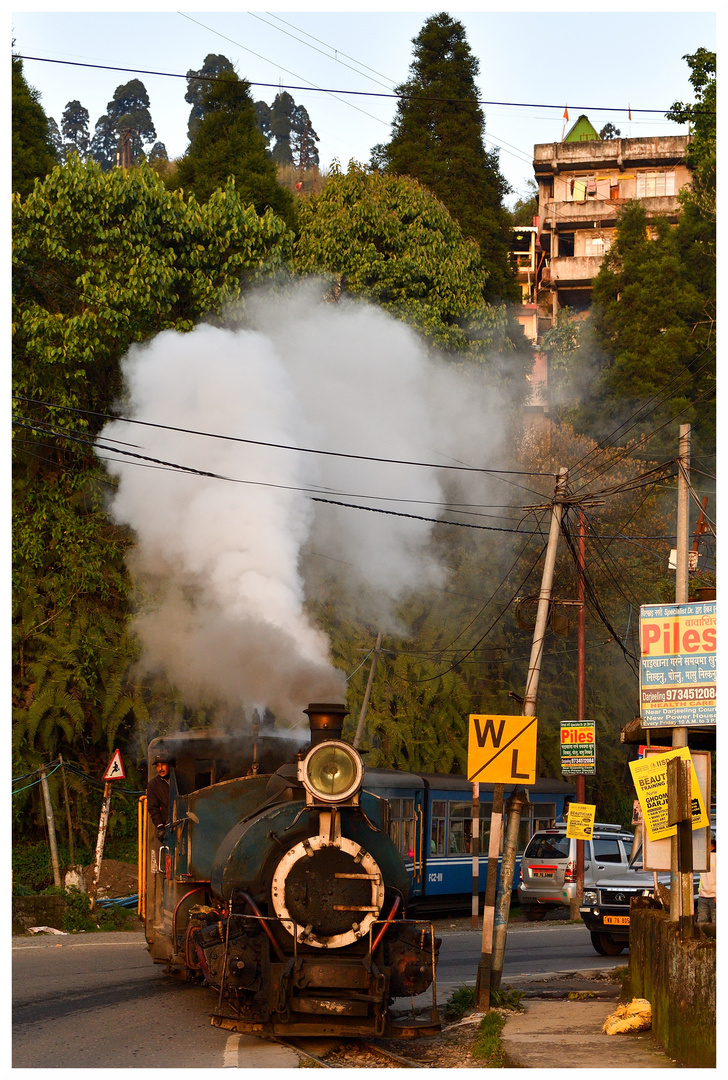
x,y
115,769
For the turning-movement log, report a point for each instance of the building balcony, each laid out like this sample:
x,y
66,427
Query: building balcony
x,y
574,271
604,211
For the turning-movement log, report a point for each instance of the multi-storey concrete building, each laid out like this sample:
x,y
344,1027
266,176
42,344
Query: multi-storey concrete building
x,y
582,184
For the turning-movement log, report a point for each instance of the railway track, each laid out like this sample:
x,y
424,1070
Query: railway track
x,y
354,1053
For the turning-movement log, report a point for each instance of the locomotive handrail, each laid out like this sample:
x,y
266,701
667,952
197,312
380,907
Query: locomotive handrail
x,y
422,832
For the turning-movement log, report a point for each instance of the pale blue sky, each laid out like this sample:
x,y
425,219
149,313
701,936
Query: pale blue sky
x,y
590,61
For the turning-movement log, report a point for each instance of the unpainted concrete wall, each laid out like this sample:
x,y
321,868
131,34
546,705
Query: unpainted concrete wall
x,y
37,911
678,979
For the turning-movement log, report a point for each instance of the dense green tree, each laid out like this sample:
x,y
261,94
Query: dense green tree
x,y
127,116
702,119
391,241
197,85
74,128
54,140
227,143
33,154
295,139
104,144
525,207
437,137
304,139
655,326
101,260
280,127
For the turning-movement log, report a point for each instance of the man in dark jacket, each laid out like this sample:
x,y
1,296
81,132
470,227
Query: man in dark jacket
x,y
158,795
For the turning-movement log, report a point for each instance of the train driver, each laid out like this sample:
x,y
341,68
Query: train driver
x,y
158,794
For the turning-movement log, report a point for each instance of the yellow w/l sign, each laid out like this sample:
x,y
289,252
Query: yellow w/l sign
x,y
502,749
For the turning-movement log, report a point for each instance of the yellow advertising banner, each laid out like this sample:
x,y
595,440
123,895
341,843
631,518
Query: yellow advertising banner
x,y
650,780
502,749
580,821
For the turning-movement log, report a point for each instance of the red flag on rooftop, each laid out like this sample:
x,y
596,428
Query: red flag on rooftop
x,y
629,110
566,113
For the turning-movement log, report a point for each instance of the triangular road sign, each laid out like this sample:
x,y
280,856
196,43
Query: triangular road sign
x,y
115,770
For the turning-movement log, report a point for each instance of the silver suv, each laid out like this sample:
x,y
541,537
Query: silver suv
x,y
548,866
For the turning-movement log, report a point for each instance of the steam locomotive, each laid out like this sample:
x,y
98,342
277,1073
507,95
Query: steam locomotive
x,y
277,884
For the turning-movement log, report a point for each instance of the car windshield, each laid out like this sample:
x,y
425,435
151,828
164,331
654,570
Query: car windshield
x,y
548,846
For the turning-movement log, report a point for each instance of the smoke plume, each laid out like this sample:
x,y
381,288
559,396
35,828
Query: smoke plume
x,y
216,562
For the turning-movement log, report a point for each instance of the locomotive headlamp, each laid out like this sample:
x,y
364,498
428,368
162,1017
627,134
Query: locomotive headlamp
x,y
332,772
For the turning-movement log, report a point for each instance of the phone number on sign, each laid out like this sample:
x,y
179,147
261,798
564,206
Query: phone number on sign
x,y
679,694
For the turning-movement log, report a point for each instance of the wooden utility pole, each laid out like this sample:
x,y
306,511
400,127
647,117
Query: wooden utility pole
x,y
495,923
51,821
368,692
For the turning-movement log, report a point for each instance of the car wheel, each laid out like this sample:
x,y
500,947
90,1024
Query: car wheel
x,y
610,947
596,940
534,912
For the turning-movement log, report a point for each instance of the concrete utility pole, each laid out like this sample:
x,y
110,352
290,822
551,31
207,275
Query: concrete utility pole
x,y
681,884
368,692
490,968
580,710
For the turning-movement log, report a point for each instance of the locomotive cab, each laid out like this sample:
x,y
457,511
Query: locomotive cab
x,y
284,892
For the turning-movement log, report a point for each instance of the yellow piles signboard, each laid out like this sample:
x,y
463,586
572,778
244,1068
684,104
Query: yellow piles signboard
x,y
650,780
502,749
678,686
580,821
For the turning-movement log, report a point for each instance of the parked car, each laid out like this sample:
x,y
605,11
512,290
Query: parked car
x,y
548,866
605,905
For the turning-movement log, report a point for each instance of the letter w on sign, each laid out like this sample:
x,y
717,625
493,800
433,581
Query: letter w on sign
x,y
502,749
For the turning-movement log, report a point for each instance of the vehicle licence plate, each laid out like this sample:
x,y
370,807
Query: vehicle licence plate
x,y
616,920
543,871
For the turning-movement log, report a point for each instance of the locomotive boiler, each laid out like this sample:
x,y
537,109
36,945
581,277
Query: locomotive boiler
x,y
278,885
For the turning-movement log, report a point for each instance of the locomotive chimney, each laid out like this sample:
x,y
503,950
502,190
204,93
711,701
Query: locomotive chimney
x,y
326,721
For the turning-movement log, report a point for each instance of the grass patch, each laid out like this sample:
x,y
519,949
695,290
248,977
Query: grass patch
x,y
460,1001
78,916
487,1047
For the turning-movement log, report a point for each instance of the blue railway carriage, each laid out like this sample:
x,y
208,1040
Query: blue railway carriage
x,y
430,823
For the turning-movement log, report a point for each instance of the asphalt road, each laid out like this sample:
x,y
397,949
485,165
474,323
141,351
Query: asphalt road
x,y
97,1001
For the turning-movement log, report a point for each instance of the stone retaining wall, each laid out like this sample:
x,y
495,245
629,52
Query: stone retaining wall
x,y
678,979
37,911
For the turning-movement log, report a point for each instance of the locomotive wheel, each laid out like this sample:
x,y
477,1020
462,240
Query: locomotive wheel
x,y
534,912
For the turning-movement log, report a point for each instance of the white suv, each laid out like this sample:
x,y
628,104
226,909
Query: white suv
x,y
548,865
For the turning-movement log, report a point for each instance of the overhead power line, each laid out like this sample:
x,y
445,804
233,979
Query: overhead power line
x,y
277,446
359,93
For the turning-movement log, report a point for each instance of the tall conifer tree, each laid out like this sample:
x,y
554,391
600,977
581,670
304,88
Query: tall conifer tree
x,y
437,137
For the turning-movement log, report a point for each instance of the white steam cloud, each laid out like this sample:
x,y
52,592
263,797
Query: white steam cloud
x,y
217,562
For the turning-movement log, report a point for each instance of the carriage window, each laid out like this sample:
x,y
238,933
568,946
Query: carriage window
x,y
461,828
437,834
402,826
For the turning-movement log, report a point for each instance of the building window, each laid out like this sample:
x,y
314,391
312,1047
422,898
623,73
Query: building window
x,y
653,184
595,245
